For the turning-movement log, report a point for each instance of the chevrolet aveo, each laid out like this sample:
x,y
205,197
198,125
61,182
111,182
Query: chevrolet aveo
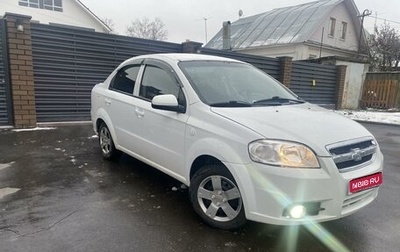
x,y
246,146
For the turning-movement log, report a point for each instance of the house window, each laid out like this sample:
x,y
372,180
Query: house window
x,y
344,30
53,5
332,24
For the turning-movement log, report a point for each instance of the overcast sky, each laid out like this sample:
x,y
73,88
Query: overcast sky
x,y
184,19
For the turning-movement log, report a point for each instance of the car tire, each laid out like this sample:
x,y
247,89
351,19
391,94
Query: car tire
x,y
216,198
107,144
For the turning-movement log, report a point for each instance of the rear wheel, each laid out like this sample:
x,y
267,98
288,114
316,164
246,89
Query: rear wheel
x,y
107,144
216,198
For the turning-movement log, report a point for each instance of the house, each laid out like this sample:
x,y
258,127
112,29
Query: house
x,y
327,31
312,30
56,12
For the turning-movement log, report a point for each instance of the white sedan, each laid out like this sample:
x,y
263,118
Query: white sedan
x,y
247,147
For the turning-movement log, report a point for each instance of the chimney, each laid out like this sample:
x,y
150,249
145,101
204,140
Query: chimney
x,y
226,35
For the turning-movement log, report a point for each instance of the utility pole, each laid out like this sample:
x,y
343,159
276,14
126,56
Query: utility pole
x,y
365,13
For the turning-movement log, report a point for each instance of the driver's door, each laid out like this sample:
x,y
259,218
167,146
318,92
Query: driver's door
x,y
162,132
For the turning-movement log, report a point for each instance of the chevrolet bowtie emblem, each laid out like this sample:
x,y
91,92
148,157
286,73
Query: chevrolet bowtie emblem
x,y
357,154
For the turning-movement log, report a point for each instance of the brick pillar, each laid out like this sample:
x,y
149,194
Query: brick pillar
x,y
341,77
191,47
21,69
286,70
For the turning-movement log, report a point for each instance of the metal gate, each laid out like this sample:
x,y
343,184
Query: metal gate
x,y
5,94
314,83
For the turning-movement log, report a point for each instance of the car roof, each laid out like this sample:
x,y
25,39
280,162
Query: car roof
x,y
178,57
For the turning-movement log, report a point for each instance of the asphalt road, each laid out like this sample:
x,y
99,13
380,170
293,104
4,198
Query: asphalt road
x,y
58,194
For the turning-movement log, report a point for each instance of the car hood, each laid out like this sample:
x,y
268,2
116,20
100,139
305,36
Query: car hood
x,y
305,123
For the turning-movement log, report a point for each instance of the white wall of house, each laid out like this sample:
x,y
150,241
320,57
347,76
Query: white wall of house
x,y
296,51
355,76
73,14
340,14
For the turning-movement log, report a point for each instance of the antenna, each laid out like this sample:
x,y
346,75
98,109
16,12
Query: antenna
x,y
205,26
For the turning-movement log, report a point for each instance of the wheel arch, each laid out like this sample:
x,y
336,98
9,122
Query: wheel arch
x,y
102,117
233,158
213,151
201,161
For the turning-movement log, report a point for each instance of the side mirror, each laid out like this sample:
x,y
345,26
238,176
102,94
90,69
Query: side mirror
x,y
167,102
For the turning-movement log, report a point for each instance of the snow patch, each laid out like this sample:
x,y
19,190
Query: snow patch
x,y
4,166
7,191
73,160
372,116
33,129
93,137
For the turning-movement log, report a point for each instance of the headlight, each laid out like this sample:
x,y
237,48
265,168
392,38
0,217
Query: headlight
x,y
285,154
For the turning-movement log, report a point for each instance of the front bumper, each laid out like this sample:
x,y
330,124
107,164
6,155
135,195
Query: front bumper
x,y
267,191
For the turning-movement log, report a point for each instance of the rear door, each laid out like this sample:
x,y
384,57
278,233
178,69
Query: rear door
x,y
119,103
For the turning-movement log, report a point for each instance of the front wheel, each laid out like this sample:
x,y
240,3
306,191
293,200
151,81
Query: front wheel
x,y
107,144
216,198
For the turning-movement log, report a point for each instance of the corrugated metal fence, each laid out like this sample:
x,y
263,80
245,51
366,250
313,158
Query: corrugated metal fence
x,y
69,62
314,83
5,114
269,65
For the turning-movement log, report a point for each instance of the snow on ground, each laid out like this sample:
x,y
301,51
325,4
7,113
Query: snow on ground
x,y
372,116
33,129
8,190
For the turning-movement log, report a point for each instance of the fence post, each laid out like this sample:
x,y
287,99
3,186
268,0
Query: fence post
x,y
191,47
340,83
286,70
19,43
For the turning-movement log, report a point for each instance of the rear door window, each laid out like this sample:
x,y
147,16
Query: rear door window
x,y
125,79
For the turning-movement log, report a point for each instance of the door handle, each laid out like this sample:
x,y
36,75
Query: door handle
x,y
107,101
139,112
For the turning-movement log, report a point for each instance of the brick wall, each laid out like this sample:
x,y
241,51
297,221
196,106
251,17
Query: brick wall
x,y
341,77
21,70
286,70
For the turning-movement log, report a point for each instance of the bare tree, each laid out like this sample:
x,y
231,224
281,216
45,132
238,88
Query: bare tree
x,y
385,48
110,24
144,28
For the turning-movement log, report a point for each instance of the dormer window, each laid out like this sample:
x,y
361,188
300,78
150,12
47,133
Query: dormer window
x,y
54,5
332,24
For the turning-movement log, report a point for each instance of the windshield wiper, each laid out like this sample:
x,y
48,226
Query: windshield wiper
x,y
231,104
277,101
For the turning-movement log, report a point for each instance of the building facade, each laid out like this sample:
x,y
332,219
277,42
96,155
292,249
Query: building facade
x,y
55,12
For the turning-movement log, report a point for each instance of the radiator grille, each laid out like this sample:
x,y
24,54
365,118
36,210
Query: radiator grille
x,y
353,154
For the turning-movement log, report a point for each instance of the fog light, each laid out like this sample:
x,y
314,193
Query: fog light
x,y
297,211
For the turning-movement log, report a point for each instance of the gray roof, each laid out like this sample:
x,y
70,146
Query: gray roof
x,y
294,24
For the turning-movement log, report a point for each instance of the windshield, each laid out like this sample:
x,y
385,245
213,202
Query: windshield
x,y
231,84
